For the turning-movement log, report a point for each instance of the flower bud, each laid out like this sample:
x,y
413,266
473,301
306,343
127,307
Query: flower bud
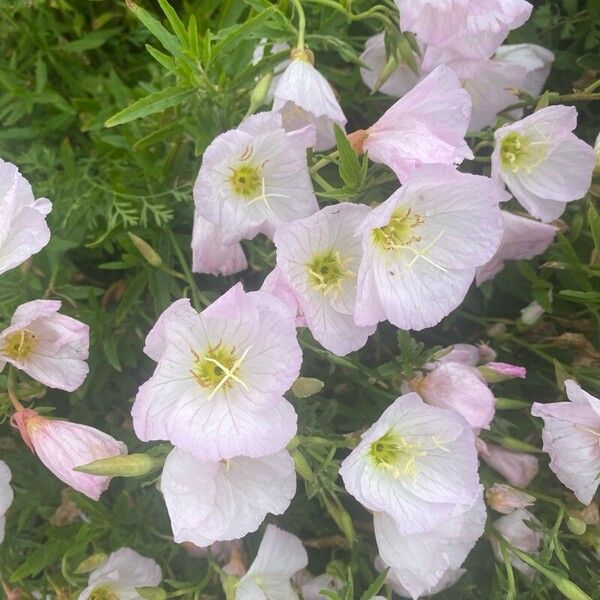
x,y
260,92
590,514
147,251
506,499
304,387
91,563
576,526
128,465
151,593
495,372
518,468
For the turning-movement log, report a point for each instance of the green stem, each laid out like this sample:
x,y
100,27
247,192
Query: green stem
x,y
11,390
323,162
301,24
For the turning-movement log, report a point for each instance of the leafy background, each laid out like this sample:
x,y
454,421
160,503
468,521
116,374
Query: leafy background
x,y
66,68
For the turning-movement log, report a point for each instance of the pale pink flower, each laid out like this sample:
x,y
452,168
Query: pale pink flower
x,y
217,389
542,162
311,590
62,446
506,499
465,354
209,253
417,463
421,247
571,437
459,387
123,572
319,258
254,178
23,229
597,152
276,285
518,468
472,28
6,495
212,501
517,532
280,555
426,126
50,347
423,562
523,238
304,97
536,60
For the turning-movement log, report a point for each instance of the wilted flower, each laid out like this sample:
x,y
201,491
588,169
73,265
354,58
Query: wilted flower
x,y
421,247
304,97
212,501
542,162
319,258
311,590
279,556
532,313
417,463
514,529
522,238
62,446
209,253
6,495
254,178
23,229
518,468
426,126
536,60
217,389
571,437
123,572
460,387
423,562
495,372
472,28
506,499
50,347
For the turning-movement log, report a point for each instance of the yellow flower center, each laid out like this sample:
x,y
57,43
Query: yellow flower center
x,y
246,180
518,152
398,233
393,453
327,271
103,593
20,344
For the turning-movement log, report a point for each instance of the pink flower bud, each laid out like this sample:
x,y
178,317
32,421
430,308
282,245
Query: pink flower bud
x,y
62,446
506,499
518,468
495,372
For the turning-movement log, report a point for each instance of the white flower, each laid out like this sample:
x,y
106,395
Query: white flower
x,y
536,59
6,495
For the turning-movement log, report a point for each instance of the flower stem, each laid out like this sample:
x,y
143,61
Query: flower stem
x,y
301,24
11,390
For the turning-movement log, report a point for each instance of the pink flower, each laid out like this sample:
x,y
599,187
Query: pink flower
x,y
536,59
426,126
23,229
417,463
472,28
280,555
517,468
522,238
218,385
495,372
319,258
212,501
514,529
276,285
571,437
210,254
121,575
254,178
48,346
505,499
6,495
423,563
62,446
304,97
542,162
459,387
421,247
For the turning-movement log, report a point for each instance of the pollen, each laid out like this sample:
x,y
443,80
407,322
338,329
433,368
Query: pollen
x,y
393,453
327,271
20,344
399,232
518,152
246,180
103,593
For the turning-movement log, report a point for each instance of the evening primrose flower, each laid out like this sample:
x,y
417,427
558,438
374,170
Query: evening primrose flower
x,y
537,60
218,385
421,247
212,501
123,572
6,495
542,162
304,97
50,347
280,555
425,562
276,284
426,126
254,178
23,229
417,463
522,238
319,259
62,446
571,437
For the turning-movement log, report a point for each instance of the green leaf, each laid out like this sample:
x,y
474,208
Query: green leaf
x,y
350,168
240,33
594,221
168,40
175,21
375,586
153,103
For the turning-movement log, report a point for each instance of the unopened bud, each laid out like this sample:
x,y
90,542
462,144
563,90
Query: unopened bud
x,y
506,499
302,466
517,445
510,404
341,517
147,251
151,593
495,372
125,465
569,590
304,387
260,92
576,526
91,563
357,139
